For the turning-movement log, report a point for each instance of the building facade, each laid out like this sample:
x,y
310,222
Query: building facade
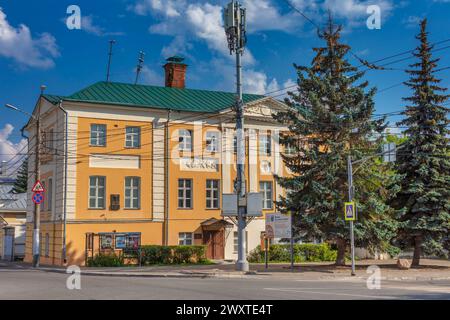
x,y
124,164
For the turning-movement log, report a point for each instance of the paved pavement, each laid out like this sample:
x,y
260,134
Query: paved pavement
x,y
23,283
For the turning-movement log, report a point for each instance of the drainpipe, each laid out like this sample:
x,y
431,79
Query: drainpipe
x,y
64,253
166,169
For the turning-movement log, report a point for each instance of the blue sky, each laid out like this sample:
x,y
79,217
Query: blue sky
x,y
37,48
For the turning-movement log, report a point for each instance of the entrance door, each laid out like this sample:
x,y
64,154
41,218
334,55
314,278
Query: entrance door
x,y
215,244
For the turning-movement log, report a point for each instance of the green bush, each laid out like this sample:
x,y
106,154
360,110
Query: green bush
x,y
306,252
154,254
105,260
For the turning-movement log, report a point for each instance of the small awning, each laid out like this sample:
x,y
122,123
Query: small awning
x,y
215,224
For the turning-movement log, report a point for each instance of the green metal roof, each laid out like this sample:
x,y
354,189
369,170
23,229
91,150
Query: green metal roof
x,y
155,97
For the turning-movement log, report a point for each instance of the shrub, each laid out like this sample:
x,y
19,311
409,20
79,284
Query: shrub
x,y
302,253
105,260
154,254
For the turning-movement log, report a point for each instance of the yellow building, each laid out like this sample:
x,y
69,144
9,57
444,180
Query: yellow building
x,y
142,163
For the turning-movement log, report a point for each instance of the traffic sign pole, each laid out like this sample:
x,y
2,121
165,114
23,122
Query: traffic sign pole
x,y
350,199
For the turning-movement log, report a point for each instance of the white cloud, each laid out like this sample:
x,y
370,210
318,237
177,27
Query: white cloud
x,y
88,25
168,8
151,77
9,150
19,45
354,11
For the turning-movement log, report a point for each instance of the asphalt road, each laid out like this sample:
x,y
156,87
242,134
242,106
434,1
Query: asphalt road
x,y
32,284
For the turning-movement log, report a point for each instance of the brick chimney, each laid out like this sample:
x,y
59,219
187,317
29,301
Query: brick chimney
x,y
175,72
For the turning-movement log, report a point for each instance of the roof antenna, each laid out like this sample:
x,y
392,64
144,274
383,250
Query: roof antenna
x,y
139,65
111,42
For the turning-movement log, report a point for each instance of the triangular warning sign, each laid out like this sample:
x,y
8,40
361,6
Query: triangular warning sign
x,y
349,211
38,187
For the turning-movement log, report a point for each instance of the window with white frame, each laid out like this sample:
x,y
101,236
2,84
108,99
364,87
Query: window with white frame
x,y
212,141
132,137
290,149
235,241
265,145
185,140
96,192
49,194
132,192
212,194
265,187
185,238
184,193
98,135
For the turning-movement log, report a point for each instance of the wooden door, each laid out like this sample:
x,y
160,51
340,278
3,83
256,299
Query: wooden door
x,y
218,245
214,240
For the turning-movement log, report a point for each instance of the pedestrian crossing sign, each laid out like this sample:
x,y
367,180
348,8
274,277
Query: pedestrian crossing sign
x,y
350,211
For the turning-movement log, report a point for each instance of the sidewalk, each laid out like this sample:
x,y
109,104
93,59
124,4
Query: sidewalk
x,y
429,270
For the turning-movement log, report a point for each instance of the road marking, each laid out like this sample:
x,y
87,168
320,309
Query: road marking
x,y
331,293
420,288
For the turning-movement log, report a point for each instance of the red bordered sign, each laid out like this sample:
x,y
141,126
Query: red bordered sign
x,y
38,187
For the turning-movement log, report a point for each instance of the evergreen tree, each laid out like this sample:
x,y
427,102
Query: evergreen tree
x,y
423,161
329,118
20,185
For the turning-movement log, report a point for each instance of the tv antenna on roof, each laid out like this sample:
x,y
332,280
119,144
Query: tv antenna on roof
x,y
139,65
111,43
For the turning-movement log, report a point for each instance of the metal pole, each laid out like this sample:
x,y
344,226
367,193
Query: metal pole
x,y
111,42
350,199
37,175
242,263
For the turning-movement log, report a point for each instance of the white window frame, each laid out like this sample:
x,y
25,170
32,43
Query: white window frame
x,y
133,138
184,198
213,193
185,140
267,201
265,144
290,150
212,141
96,135
184,237
96,197
135,193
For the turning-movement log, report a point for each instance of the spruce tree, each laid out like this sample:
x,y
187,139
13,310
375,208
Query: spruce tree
x,y
423,160
20,185
329,118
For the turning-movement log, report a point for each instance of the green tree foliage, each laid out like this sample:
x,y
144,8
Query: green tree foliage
x,y
20,185
424,197
330,118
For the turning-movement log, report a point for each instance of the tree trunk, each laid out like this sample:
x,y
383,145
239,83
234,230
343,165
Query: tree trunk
x,y
417,251
340,259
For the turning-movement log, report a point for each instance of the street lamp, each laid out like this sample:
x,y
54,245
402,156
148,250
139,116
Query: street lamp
x,y
12,107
